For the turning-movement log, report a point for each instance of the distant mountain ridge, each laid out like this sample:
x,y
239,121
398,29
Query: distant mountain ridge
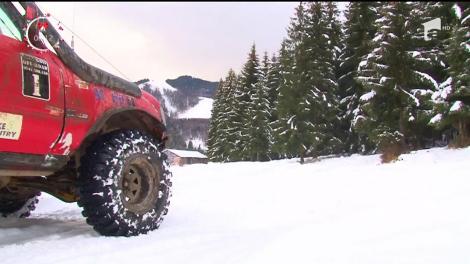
x,y
187,102
194,86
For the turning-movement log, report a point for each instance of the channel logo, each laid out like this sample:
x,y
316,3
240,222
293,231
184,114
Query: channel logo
x,y
434,24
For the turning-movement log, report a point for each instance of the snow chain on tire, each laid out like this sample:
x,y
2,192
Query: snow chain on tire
x,y
124,184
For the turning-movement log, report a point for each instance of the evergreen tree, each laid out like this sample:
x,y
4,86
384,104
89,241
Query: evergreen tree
x,y
359,32
320,101
453,99
430,60
432,50
249,77
225,123
293,51
273,79
390,74
273,82
265,67
308,104
284,102
214,146
190,145
329,66
233,119
259,130
334,32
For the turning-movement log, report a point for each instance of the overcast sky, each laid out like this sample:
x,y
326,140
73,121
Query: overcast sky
x,y
166,40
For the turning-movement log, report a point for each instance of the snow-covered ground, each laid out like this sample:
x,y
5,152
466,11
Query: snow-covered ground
x,y
201,110
337,210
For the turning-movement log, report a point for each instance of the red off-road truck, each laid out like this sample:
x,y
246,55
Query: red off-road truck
x,y
76,132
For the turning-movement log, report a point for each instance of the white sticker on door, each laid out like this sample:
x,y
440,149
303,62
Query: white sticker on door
x,y
10,126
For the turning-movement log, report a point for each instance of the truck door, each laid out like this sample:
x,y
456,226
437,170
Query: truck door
x,y
31,94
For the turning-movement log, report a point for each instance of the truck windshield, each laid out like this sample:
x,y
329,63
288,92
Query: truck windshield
x,y
7,27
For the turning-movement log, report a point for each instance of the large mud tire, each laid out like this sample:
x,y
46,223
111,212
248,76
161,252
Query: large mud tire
x,y
17,203
124,184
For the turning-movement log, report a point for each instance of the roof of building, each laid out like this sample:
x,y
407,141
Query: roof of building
x,y
187,153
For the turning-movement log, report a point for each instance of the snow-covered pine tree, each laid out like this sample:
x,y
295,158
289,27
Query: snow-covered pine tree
x,y
452,101
259,129
390,75
273,83
231,120
291,135
265,66
214,152
430,60
190,145
335,34
334,31
318,108
359,31
307,102
284,102
433,48
336,43
249,77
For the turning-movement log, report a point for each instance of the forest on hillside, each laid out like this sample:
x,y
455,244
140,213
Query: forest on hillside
x,y
374,83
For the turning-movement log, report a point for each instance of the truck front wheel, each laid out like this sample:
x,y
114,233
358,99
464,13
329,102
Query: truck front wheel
x,y
124,184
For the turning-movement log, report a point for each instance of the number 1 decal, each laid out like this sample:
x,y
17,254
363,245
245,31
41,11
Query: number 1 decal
x,y
35,77
37,88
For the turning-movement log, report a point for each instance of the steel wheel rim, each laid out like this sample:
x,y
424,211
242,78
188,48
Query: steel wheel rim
x,y
139,184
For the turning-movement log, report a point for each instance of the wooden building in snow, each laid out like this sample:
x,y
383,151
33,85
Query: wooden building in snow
x,y
182,157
